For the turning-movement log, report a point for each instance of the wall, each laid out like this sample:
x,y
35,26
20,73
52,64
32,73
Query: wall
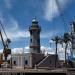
x,y
48,62
35,58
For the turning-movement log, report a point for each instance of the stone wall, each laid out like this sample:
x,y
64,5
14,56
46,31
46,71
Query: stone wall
x,y
48,62
35,58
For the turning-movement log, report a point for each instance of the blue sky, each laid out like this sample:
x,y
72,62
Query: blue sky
x,y
17,15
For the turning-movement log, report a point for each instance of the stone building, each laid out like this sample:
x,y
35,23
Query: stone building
x,y
34,58
34,30
20,60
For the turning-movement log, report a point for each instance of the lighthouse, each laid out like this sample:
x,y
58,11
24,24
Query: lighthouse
x,y
34,30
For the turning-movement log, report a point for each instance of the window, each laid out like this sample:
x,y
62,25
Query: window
x,y
26,62
14,62
38,40
50,61
31,40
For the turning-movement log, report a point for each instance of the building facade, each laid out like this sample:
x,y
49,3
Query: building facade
x,y
34,58
20,60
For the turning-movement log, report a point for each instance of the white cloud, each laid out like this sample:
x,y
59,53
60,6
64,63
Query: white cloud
x,y
12,24
15,32
63,3
26,50
8,3
1,17
52,9
51,41
45,50
24,33
1,50
61,51
15,36
17,50
45,35
49,34
12,29
43,47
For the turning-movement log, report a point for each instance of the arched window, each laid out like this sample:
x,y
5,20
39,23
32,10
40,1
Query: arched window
x,y
26,62
14,62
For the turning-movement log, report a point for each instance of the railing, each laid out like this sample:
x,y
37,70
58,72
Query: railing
x,y
6,71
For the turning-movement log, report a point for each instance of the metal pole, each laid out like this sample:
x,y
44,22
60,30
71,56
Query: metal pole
x,y
23,58
65,55
11,61
56,56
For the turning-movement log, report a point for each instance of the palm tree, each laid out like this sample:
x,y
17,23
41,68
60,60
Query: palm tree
x,y
66,40
57,40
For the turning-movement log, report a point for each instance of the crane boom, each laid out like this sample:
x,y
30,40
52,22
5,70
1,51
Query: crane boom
x,y
2,39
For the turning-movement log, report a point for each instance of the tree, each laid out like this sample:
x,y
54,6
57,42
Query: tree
x,y
57,40
66,40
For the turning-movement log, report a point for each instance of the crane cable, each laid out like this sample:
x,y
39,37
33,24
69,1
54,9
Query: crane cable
x,y
3,29
61,14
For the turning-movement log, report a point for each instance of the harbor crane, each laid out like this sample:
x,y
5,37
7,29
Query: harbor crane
x,y
6,50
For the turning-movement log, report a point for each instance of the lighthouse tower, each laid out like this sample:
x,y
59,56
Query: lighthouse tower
x,y
34,30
